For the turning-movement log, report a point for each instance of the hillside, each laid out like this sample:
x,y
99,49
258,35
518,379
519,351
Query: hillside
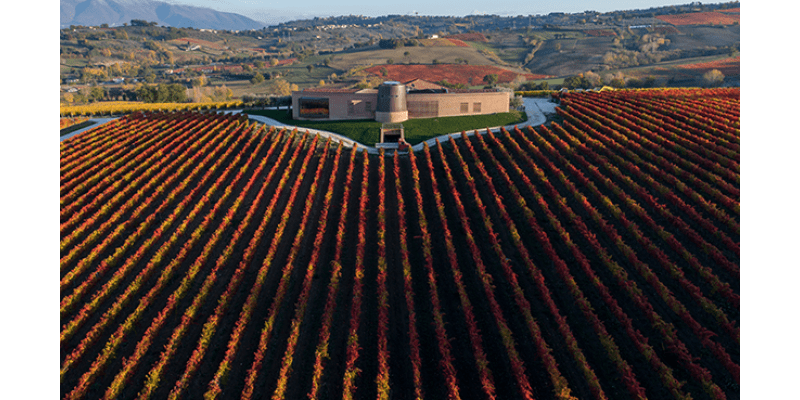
x,y
119,12
639,48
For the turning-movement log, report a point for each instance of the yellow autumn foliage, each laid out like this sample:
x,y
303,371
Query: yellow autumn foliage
x,y
127,107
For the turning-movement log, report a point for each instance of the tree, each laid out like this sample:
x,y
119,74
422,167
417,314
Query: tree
x,y
310,68
257,78
594,79
445,83
618,82
139,22
97,93
200,81
222,93
491,79
162,93
713,78
93,74
282,88
169,57
577,82
175,92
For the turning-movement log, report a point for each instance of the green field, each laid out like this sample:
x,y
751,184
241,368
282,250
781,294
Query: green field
x,y
367,132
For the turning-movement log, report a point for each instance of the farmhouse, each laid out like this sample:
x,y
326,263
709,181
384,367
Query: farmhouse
x,y
396,102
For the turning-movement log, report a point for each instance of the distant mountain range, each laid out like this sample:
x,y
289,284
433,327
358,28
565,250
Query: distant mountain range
x,y
118,12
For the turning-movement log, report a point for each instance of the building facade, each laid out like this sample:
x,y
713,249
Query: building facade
x,y
393,102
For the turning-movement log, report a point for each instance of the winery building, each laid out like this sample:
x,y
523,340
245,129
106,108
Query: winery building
x,y
396,102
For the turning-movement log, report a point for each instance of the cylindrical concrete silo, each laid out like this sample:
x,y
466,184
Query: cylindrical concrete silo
x,y
391,102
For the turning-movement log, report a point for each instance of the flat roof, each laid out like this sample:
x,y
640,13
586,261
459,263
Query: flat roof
x,y
323,90
329,90
337,90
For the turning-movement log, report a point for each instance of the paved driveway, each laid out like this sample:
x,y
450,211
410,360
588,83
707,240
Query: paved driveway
x,y
97,122
537,109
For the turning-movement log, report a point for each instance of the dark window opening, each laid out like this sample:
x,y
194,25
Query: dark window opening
x,y
313,107
392,137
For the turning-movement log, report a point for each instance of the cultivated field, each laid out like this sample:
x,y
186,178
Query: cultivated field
x,y
471,75
417,55
206,256
701,18
728,66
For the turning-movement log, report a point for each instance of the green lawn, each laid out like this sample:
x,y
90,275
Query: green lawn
x,y
416,131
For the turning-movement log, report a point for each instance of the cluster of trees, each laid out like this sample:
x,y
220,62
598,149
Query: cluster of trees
x,y
621,58
257,78
268,100
491,79
447,84
209,94
591,79
713,78
395,43
85,95
162,93
528,86
141,22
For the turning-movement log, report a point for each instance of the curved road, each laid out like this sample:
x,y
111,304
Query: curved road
x,y
537,109
97,122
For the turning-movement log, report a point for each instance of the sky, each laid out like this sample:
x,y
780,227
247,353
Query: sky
x,y
272,11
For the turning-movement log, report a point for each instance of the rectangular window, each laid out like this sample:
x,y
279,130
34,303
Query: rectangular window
x,y
464,108
314,107
423,109
368,106
476,107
